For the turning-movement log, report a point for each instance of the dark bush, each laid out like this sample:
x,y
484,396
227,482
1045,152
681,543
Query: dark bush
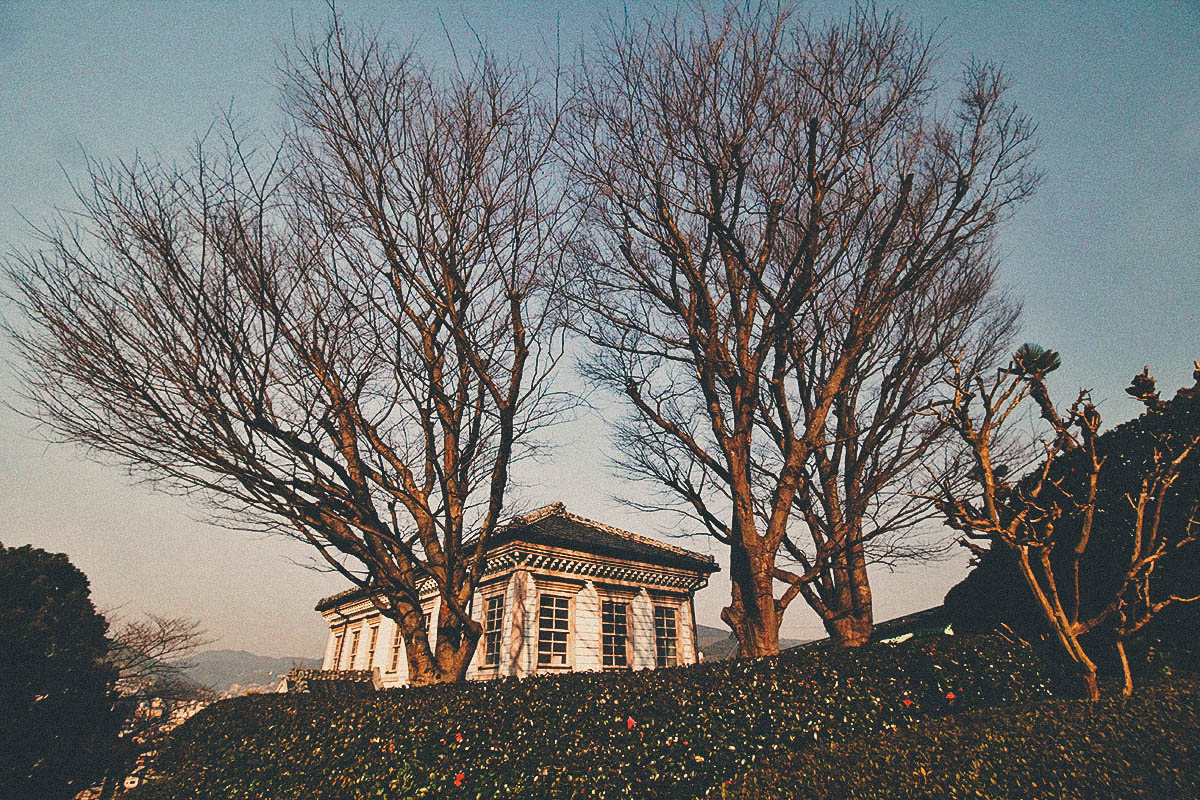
x,y
1145,747
671,733
58,723
1128,451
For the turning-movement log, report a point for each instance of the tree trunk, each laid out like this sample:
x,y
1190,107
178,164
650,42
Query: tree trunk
x,y
450,657
1064,633
455,648
852,629
1127,685
752,614
107,785
851,619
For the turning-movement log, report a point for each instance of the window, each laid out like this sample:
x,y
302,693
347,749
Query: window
x,y
493,626
371,645
666,637
354,647
337,651
397,643
553,628
614,634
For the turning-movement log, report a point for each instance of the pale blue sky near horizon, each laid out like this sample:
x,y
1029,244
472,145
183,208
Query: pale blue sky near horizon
x,y
1104,257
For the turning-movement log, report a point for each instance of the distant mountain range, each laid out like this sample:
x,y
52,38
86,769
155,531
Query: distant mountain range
x,y
232,672
718,644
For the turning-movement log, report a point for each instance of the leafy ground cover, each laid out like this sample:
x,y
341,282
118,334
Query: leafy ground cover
x,y
671,733
1145,747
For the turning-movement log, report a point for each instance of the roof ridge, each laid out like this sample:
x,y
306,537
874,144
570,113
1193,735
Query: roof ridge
x,y
537,515
624,534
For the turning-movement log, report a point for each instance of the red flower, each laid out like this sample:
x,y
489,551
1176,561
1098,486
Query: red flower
x,y
907,702
458,737
629,723
459,779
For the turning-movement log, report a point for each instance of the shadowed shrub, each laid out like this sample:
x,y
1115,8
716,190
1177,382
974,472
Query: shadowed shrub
x,y
668,733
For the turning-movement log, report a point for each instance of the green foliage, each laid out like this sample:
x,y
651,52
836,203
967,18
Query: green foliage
x,y
669,733
55,698
1145,747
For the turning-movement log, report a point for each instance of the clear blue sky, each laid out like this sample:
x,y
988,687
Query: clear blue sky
x,y
1105,257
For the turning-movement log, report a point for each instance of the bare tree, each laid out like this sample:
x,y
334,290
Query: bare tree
x,y
150,656
1028,516
346,338
784,244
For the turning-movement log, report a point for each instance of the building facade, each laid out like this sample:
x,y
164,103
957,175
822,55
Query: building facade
x,y
559,593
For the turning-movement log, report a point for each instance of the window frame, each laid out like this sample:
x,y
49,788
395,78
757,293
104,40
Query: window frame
x,y
661,659
493,636
372,641
339,643
614,630
553,652
355,638
397,645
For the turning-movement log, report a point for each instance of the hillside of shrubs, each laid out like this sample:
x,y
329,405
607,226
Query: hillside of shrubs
x,y
669,733
1146,747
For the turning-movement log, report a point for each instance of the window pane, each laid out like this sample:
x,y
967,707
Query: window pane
x,y
553,629
371,645
666,637
397,641
337,651
493,627
614,633
354,647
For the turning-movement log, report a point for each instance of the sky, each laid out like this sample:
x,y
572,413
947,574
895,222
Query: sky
x,y
1104,257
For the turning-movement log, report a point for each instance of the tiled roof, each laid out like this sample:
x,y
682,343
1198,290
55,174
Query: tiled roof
x,y
554,525
332,683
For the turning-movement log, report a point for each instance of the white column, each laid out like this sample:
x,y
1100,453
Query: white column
x,y
686,643
330,647
383,652
641,612
518,648
587,628
477,613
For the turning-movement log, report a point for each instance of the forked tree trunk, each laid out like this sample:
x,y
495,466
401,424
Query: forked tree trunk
x,y
1065,634
447,662
752,613
851,619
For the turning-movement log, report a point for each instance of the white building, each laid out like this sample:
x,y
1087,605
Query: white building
x,y
559,593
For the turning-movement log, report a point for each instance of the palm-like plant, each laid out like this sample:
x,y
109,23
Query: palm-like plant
x,y
1034,361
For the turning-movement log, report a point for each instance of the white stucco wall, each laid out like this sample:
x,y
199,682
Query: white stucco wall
x,y
587,628
641,633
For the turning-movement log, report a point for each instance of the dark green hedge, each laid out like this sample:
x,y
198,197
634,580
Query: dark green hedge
x,y
671,733
1147,747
